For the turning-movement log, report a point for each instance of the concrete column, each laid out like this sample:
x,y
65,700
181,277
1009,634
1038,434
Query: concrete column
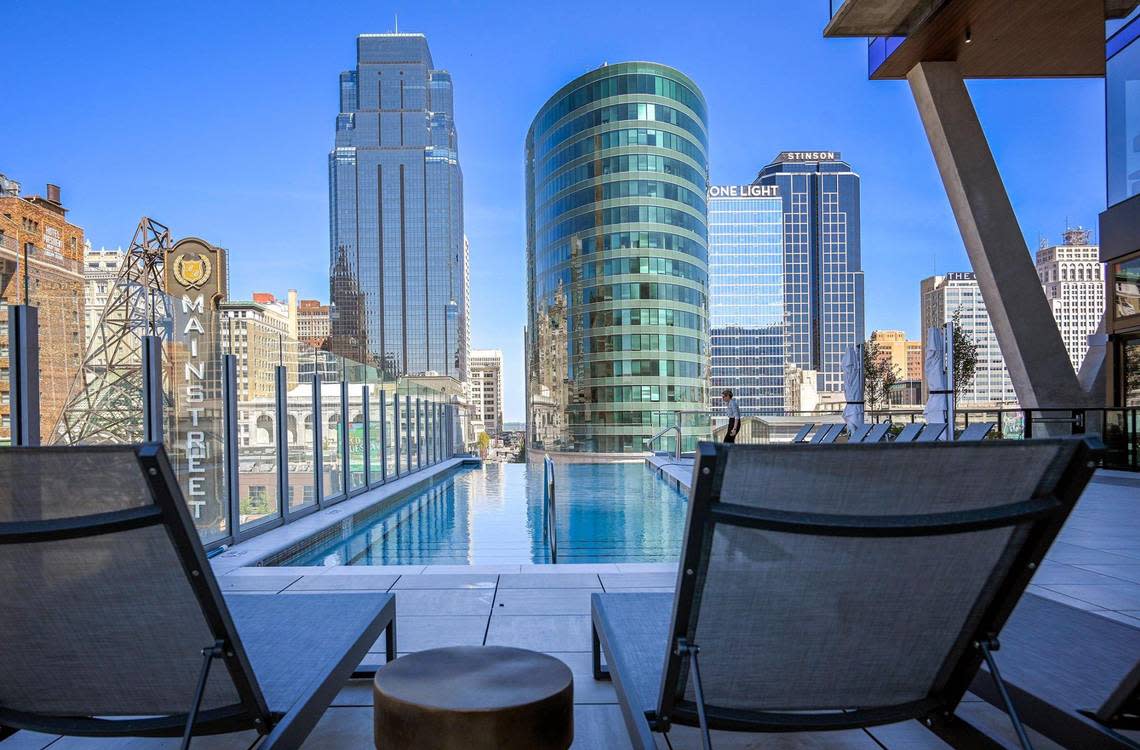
x,y
1030,342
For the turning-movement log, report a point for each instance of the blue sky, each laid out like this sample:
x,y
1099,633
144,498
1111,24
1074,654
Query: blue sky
x,y
221,125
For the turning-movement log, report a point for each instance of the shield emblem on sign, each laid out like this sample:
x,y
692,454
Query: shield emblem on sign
x,y
192,270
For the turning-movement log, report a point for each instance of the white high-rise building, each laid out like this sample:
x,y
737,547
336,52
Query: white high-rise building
x,y
100,269
943,297
1073,278
486,388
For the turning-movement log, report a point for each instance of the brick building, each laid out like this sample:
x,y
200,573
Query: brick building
x,y
35,230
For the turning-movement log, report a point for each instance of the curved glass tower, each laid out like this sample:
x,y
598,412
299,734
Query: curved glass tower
x,y
617,262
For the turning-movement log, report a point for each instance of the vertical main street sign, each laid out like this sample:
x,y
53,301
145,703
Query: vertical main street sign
x,y
195,280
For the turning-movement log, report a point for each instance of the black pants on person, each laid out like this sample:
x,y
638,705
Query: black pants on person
x,y
730,435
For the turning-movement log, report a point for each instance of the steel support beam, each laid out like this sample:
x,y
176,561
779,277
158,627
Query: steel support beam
x,y
1026,332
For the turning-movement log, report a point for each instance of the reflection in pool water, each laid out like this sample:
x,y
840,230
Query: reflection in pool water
x,y
493,514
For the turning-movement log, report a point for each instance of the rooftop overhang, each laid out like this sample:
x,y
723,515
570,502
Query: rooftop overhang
x,y
1007,39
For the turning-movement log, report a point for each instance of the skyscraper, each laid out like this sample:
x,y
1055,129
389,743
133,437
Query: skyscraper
x,y
823,273
1073,278
617,261
396,213
486,388
746,297
958,294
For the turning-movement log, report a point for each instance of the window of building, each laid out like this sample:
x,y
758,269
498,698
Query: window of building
x,y
1126,287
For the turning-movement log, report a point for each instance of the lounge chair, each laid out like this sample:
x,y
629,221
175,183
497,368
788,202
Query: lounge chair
x,y
931,433
837,588
909,433
114,625
827,434
976,431
859,433
1073,675
877,433
803,432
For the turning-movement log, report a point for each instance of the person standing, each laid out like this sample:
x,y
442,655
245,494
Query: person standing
x,y
733,409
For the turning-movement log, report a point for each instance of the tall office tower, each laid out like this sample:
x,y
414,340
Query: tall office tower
x,y
959,293
746,297
823,272
396,213
617,262
1073,278
100,270
486,388
41,264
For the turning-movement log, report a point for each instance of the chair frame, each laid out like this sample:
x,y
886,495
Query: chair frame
x,y
169,511
801,435
935,710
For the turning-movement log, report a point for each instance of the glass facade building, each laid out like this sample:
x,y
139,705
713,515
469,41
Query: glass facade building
x,y
1120,243
823,272
617,262
746,297
398,266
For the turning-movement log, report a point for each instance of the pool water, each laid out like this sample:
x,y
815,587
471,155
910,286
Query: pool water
x,y
617,512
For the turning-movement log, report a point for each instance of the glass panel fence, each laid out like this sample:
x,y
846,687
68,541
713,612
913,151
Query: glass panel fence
x,y
355,377
300,430
331,369
373,391
232,377
256,427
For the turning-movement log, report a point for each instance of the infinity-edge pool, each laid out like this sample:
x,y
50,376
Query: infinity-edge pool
x,y
617,512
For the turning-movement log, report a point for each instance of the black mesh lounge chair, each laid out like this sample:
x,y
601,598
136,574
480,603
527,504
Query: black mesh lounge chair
x,y
859,433
976,431
803,432
931,433
1073,675
838,587
827,434
113,623
877,433
909,433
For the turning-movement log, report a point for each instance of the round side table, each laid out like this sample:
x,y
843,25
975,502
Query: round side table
x,y
474,697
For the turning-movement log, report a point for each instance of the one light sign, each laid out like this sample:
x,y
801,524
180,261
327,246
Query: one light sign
x,y
744,191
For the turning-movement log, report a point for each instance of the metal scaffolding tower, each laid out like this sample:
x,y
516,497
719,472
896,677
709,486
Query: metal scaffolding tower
x,y
106,400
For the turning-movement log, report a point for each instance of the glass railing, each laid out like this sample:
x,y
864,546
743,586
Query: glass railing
x,y
261,428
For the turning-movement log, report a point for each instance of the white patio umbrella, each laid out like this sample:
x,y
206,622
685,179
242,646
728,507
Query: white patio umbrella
x,y
852,364
938,406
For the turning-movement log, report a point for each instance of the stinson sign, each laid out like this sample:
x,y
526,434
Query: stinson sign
x,y
196,282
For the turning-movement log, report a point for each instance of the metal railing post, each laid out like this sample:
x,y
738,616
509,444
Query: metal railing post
x,y
230,442
318,447
24,374
383,436
419,433
152,388
365,415
396,432
345,453
281,406
408,431
1027,423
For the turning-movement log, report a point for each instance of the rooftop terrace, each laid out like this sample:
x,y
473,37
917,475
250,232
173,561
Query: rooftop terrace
x,y
1094,566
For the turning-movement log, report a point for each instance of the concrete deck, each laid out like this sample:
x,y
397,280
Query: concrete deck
x,y
1094,566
